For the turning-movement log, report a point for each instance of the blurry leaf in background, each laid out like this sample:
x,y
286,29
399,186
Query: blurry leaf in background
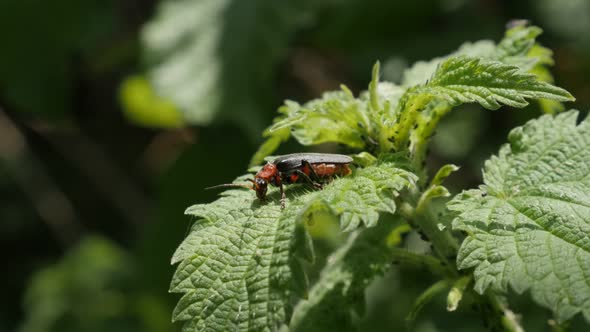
x,y
40,41
89,290
143,107
219,57
568,18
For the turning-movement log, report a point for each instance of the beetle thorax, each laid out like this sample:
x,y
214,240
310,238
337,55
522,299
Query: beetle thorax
x,y
268,172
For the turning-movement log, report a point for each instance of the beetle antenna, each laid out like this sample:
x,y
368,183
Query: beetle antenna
x,y
232,185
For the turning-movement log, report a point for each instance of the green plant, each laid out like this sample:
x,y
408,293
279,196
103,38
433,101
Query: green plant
x,y
241,265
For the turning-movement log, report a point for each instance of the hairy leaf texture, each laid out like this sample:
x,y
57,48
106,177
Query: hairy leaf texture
x,y
529,225
462,79
239,265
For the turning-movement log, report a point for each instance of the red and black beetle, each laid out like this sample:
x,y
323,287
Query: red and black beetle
x,y
311,168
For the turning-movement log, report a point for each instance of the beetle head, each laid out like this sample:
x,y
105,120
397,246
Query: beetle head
x,y
260,185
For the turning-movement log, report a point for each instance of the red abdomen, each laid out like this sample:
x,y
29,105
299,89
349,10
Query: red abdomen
x,y
324,170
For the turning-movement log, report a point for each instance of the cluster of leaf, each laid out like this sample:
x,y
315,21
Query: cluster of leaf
x,y
390,117
240,265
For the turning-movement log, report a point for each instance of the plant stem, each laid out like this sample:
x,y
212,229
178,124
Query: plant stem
x,y
412,105
506,317
433,264
443,242
425,298
426,124
457,291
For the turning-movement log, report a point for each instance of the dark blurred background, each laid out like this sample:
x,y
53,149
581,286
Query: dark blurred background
x,y
114,115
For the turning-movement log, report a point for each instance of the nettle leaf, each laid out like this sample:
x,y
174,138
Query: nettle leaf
x,y
365,256
490,83
529,225
239,266
360,123
194,59
518,48
336,117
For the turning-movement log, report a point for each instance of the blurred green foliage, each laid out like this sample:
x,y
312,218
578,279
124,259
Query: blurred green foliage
x,y
41,42
63,64
87,291
143,107
219,58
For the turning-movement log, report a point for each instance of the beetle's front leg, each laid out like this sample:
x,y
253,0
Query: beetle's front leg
x,y
283,196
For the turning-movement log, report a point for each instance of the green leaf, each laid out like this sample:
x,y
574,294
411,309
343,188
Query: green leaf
x,y
194,59
366,255
443,173
517,48
233,270
88,290
390,118
359,199
239,266
489,83
336,117
339,117
529,225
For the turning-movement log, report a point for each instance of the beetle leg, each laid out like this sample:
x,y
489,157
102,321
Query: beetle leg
x,y
283,196
308,179
312,175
